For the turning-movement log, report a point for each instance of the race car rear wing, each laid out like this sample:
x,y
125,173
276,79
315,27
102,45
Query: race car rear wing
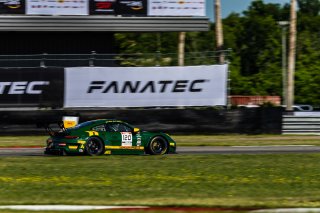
x,y
53,128
59,127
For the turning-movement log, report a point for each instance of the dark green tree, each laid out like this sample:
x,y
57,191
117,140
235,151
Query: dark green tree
x,y
307,73
310,7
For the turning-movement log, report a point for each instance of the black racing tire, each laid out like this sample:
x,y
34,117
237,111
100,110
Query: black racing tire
x,y
94,146
158,146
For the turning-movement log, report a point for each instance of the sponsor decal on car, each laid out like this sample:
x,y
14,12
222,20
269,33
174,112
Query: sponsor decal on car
x,y
138,140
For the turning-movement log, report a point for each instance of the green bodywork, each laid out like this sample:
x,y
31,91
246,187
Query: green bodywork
x,y
117,137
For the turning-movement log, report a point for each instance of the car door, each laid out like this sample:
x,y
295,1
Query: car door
x,y
100,131
120,134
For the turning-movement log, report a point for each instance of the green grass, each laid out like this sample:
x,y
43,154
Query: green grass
x,y
192,140
291,180
6,141
246,140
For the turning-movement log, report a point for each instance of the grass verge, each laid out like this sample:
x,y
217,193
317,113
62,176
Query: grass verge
x,y
246,140
291,180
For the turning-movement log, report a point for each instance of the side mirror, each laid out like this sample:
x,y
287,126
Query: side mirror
x,y
136,130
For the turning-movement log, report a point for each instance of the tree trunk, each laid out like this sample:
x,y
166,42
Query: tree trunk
x,y
182,38
291,56
219,31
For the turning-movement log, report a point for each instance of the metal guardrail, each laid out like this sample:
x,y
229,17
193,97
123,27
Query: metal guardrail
x,y
107,60
300,125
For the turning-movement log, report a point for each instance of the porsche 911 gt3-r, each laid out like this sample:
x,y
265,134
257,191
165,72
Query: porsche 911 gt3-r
x,y
107,136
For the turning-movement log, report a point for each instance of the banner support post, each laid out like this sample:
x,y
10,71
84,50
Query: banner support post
x,y
227,61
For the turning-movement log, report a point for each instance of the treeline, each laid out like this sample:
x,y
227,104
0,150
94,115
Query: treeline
x,y
256,57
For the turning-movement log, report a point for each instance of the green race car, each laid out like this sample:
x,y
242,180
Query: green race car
x,y
107,136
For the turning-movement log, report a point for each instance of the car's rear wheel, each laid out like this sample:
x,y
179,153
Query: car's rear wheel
x,y
94,146
158,146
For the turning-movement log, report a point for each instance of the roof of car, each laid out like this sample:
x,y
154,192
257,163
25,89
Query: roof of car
x,y
105,120
98,121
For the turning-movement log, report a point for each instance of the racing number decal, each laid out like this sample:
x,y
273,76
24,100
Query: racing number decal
x,y
126,139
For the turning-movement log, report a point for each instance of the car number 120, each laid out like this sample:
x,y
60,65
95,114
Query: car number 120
x,y
126,138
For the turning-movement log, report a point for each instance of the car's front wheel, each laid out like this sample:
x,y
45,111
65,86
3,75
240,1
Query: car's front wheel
x,y
94,146
158,146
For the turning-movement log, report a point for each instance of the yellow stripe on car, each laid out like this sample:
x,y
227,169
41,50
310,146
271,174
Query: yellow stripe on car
x,y
73,147
125,147
91,133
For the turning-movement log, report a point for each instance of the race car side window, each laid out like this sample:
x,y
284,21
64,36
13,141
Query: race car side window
x,y
117,127
124,128
112,127
99,128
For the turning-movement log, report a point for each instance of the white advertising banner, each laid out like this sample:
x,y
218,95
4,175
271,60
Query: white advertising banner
x,y
57,7
177,8
145,86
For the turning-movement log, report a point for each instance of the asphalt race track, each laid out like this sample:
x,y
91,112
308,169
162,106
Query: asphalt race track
x,y
192,150
248,149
